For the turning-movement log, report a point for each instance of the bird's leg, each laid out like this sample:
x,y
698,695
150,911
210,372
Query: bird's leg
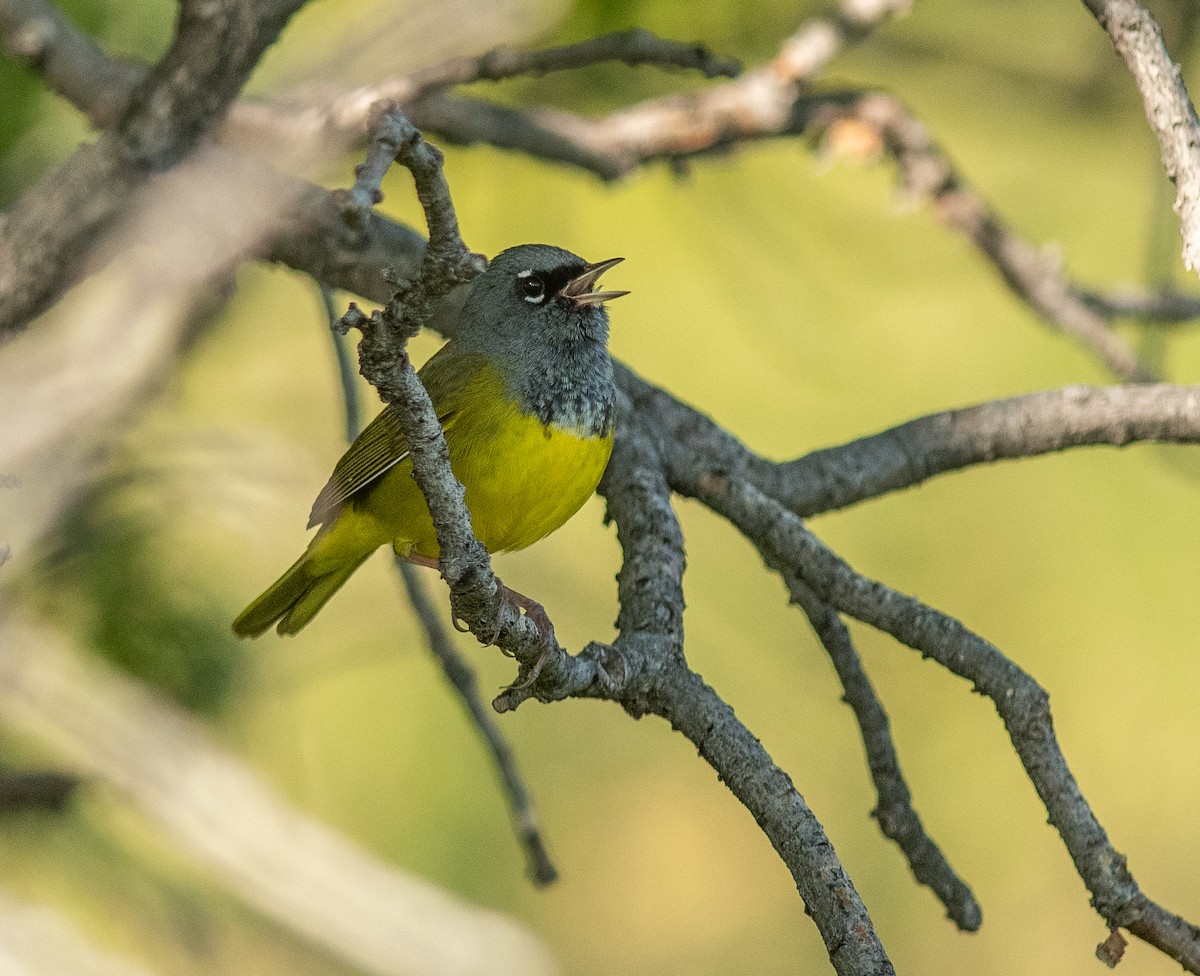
x,y
532,609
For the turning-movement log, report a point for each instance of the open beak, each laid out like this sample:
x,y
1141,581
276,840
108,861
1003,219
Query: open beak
x,y
579,289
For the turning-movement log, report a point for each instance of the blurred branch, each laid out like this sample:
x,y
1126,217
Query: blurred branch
x,y
894,811
53,226
345,116
44,789
1148,306
770,101
36,941
464,681
788,547
351,402
632,47
305,876
69,61
1169,110
1034,274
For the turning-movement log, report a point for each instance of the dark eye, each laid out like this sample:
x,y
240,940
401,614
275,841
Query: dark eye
x,y
533,289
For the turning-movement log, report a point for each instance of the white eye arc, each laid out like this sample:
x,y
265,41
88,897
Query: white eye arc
x,y
533,289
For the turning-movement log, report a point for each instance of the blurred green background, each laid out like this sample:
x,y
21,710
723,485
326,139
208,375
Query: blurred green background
x,y
800,304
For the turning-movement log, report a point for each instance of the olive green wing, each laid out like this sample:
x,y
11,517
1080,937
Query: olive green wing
x,y
381,445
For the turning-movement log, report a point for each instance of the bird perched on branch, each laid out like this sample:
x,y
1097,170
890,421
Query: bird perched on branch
x,y
524,392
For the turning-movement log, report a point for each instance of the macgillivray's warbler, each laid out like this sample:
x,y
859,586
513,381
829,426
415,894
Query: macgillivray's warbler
x,y
524,392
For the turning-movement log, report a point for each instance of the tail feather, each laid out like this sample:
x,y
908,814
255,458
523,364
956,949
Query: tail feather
x,y
295,598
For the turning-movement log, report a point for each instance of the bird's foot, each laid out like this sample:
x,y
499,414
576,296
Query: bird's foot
x,y
533,611
537,615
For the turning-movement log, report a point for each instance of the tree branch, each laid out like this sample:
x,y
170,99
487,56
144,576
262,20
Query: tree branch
x,y
894,811
789,548
458,672
657,680
476,596
911,453
1169,110
46,235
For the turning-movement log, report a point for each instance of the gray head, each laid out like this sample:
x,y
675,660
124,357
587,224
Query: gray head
x,y
536,315
534,294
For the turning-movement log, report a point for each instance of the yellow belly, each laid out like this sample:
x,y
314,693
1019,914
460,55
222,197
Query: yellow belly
x,y
523,480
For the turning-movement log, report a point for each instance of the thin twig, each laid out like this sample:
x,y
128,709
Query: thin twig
x,y
894,810
1172,117
1159,306
476,596
463,679
1034,274
351,401
632,47
458,672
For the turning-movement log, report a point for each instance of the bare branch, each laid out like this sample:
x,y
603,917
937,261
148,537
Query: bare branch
x,y
632,47
1034,274
789,548
755,105
1169,110
50,229
649,655
894,811
903,456
316,238
476,595
1018,427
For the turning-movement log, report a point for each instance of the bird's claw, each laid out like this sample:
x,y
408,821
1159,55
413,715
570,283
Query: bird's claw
x,y
536,614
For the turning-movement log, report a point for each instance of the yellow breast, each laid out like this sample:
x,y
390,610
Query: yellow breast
x,y
523,479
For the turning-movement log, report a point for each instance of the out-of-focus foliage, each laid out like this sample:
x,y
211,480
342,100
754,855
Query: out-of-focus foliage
x,y
800,304
108,564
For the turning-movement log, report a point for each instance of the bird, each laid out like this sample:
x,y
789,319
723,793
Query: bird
x,y
524,391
